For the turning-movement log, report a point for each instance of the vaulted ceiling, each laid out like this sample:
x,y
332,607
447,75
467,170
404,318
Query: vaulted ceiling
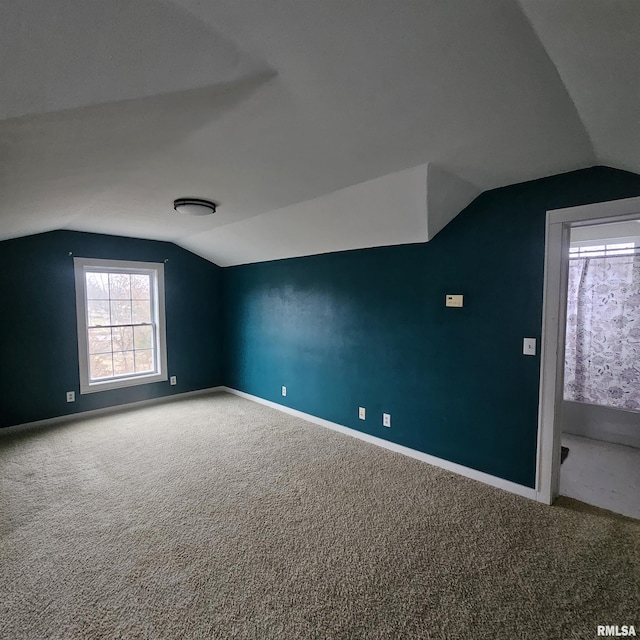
x,y
317,126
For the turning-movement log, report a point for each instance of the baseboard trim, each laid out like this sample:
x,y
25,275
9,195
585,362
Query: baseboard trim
x,y
81,415
493,481
459,469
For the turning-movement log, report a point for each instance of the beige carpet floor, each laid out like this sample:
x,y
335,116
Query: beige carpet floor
x,y
214,517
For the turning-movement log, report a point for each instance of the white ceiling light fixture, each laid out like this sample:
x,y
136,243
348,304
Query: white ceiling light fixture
x,y
194,206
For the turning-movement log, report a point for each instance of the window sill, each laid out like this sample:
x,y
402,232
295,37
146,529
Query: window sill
x,y
122,383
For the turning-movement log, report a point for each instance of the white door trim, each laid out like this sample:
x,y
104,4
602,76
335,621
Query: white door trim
x,y
554,311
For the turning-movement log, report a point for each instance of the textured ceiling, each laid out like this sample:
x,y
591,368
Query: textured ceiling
x,y
313,124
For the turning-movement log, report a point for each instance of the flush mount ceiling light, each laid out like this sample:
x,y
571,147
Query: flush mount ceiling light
x,y
194,206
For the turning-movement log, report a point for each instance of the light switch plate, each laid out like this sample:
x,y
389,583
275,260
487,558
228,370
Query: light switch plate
x,y
529,346
454,300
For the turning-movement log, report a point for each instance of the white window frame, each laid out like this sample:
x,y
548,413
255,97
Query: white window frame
x,y
156,270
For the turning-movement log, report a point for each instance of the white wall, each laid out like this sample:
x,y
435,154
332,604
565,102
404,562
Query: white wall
x,y
606,233
601,423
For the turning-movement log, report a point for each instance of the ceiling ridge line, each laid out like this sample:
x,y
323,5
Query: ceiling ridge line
x,y
583,126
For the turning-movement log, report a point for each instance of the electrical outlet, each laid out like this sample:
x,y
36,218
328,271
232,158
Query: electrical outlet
x,y
284,391
386,420
71,396
173,380
362,413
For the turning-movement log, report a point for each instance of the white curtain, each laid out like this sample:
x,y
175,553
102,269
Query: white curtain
x,y
602,358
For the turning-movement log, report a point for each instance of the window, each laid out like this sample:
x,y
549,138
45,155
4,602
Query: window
x,y
602,250
121,325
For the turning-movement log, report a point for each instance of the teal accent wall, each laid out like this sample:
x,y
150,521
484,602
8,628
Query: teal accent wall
x,y
370,328
38,333
358,328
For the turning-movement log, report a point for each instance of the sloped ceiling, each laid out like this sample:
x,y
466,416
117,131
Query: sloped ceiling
x,y
317,126
595,47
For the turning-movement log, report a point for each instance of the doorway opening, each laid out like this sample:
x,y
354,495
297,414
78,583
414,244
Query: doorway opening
x,y
588,387
600,412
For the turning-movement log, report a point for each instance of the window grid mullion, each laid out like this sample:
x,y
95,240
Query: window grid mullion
x,y
112,326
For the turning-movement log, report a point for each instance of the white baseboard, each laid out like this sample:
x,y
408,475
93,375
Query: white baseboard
x,y
81,415
486,478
